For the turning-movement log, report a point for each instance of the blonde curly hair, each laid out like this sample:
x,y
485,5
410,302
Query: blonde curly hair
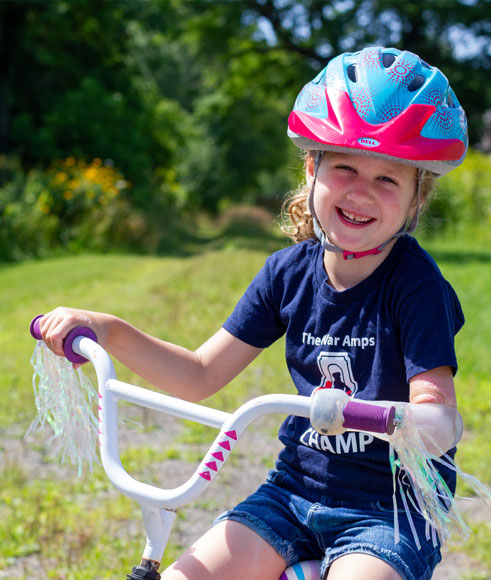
x,y
296,219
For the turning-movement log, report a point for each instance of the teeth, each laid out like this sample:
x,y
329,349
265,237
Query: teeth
x,y
356,218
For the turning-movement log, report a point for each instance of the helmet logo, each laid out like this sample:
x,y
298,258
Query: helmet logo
x,y
368,142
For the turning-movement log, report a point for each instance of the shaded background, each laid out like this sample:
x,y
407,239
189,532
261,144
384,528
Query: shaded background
x,y
120,120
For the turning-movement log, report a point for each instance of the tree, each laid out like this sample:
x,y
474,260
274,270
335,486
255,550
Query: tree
x,y
69,88
454,35
190,99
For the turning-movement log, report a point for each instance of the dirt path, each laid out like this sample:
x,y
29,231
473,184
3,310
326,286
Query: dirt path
x,y
245,470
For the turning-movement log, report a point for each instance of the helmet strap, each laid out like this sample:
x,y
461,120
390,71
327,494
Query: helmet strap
x,y
319,232
412,225
329,246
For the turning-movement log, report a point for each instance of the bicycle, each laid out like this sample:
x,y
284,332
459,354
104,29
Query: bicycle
x,y
159,506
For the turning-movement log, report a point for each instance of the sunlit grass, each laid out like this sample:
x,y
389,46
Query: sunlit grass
x,y
73,525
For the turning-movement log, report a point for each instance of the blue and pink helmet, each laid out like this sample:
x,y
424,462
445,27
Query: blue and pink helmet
x,y
386,103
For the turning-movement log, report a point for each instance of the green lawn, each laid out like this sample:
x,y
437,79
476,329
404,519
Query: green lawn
x,y
67,523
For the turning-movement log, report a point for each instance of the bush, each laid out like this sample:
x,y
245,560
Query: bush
x,y
463,201
71,205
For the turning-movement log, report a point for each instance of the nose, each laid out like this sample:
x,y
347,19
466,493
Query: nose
x,y
360,192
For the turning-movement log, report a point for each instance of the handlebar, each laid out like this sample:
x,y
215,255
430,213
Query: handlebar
x,y
68,349
158,505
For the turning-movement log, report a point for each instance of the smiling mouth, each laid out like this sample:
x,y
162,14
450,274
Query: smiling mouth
x,y
353,219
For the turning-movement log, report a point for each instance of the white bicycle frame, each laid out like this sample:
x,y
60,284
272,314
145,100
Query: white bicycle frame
x,y
159,505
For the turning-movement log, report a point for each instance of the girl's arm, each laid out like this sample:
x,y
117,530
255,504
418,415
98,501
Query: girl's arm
x,y
190,375
433,406
434,386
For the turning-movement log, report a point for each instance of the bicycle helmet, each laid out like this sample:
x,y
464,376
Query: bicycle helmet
x,y
382,102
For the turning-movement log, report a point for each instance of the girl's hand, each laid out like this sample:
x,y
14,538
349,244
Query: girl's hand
x,y
54,326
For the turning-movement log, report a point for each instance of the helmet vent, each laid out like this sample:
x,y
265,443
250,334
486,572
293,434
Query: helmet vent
x,y
388,59
450,101
417,82
351,72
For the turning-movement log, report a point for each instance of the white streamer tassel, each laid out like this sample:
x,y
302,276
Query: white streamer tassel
x,y
412,463
65,399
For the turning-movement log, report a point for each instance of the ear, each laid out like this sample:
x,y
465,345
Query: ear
x,y
309,168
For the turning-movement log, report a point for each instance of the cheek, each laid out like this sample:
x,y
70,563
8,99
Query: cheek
x,y
400,204
323,202
318,204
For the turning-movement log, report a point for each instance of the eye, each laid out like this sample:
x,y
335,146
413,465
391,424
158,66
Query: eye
x,y
344,167
387,179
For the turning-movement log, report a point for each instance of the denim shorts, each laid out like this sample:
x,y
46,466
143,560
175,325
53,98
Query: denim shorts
x,y
322,528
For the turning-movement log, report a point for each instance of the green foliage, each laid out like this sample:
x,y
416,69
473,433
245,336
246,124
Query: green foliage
x,y
25,230
479,546
190,99
62,524
91,100
74,205
71,205
466,265
464,198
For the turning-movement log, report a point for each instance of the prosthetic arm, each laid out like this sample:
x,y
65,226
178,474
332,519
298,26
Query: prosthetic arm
x,y
333,412
440,426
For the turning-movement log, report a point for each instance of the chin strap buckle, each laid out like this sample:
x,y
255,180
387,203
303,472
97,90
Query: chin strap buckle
x,y
353,255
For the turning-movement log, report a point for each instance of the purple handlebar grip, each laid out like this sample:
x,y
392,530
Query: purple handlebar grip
x,y
70,354
367,417
34,327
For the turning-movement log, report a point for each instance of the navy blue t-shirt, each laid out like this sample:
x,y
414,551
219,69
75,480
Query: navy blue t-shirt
x,y
368,340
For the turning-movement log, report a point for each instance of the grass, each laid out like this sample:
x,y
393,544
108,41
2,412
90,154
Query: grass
x,y
72,526
469,271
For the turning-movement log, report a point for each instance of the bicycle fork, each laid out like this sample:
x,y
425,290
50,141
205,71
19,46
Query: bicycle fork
x,y
158,523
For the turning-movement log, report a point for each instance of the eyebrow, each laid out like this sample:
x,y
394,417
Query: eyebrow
x,y
394,168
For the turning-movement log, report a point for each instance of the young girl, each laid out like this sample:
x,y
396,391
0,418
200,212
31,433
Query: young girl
x,y
364,309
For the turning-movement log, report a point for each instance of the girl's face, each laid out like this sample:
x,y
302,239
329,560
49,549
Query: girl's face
x,y
361,201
